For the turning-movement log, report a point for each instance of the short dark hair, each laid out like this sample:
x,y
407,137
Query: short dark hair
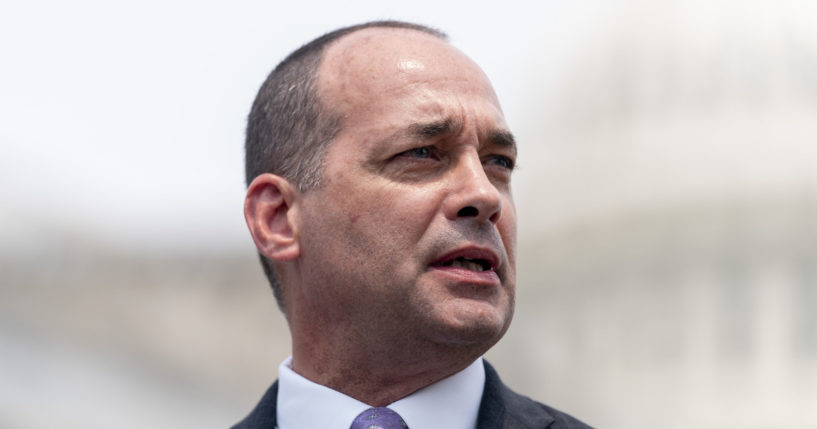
x,y
289,129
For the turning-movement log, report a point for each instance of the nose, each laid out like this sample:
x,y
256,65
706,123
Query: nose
x,y
472,193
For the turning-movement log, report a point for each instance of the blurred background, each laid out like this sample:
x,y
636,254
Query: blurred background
x,y
667,195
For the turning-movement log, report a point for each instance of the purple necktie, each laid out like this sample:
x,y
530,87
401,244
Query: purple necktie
x,y
378,418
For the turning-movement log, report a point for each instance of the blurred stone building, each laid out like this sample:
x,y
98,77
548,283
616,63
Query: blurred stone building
x,y
672,276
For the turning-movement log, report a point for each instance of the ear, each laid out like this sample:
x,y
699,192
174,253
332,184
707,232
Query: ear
x,y
270,214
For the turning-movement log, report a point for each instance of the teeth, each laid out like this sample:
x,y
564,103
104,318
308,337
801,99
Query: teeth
x,y
468,264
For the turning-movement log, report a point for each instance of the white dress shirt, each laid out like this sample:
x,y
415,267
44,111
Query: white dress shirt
x,y
451,403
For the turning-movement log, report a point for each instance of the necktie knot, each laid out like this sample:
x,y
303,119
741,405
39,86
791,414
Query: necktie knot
x,y
378,418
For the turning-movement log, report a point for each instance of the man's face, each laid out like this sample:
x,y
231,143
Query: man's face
x,y
412,233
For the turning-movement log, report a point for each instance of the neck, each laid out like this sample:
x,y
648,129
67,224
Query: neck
x,y
376,376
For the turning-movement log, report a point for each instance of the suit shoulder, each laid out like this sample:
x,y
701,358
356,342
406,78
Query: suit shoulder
x,y
503,408
562,420
534,414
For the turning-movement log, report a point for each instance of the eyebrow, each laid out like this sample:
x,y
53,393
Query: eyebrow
x,y
502,138
434,129
449,126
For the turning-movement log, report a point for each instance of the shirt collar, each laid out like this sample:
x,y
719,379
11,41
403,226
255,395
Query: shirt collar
x,y
451,403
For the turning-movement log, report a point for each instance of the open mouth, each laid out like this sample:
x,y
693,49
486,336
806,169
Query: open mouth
x,y
468,264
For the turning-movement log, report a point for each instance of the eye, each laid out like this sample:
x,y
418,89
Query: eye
x,y
502,161
425,152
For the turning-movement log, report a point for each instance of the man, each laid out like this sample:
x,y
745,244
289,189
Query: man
x,y
379,168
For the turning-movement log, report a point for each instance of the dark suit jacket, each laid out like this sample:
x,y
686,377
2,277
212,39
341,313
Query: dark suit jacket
x,y
501,408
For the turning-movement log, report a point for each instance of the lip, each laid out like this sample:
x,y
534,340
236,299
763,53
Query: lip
x,y
488,280
470,252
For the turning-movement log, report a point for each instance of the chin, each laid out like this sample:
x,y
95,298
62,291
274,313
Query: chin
x,y
475,327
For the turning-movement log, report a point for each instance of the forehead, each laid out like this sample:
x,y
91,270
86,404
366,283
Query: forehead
x,y
368,69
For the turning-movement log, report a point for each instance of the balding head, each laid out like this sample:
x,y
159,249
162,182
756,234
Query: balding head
x,y
359,69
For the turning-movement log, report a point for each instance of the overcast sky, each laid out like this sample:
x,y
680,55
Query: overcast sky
x,y
122,122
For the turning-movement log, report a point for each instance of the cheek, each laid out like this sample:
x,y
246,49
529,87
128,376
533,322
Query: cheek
x,y
369,221
507,225
394,210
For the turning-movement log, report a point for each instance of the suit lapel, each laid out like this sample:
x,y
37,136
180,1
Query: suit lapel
x,y
501,408
264,416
